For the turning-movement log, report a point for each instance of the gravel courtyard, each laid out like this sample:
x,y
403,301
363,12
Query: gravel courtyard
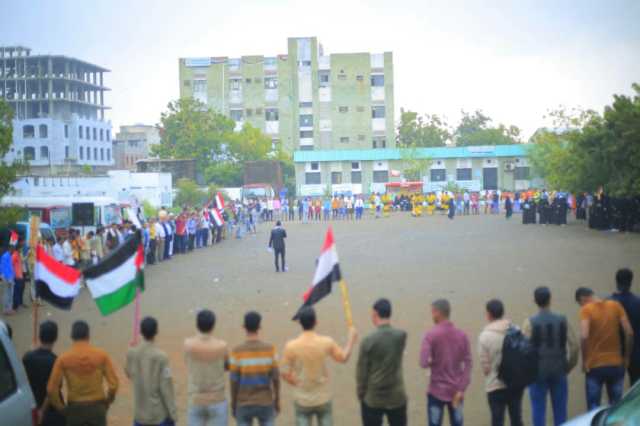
x,y
412,261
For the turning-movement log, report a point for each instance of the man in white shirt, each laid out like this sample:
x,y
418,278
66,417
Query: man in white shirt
x,y
67,253
160,236
269,209
58,252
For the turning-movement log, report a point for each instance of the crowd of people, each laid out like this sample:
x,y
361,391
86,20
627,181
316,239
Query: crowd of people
x,y
608,342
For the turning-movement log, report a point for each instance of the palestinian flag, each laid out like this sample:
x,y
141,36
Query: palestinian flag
x,y
217,216
114,281
327,272
56,282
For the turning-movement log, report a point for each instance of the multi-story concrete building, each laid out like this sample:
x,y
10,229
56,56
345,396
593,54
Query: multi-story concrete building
x,y
133,143
59,107
305,100
475,168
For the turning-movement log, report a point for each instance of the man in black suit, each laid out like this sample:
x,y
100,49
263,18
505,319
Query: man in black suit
x,y
276,241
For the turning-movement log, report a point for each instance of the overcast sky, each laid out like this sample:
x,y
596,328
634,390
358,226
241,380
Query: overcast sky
x,y
513,59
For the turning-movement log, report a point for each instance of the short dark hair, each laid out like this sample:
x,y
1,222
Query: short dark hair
x,y
583,292
495,308
206,320
149,328
383,308
542,296
252,321
278,223
80,330
48,332
307,318
443,306
624,277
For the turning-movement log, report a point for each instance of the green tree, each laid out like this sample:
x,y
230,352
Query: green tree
x,y
189,193
414,165
188,129
476,129
8,171
421,131
224,173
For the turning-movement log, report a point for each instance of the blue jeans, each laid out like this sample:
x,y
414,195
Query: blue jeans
x,y
304,415
265,415
208,415
435,412
557,388
612,377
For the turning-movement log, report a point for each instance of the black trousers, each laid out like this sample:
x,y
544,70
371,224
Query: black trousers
x,y
151,255
506,400
634,372
276,253
374,416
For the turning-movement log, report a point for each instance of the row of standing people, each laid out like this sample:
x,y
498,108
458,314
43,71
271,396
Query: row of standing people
x,y
255,371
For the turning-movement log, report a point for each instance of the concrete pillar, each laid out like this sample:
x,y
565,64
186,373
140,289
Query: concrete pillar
x,y
50,85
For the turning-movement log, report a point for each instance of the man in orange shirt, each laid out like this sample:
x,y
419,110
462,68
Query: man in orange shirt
x,y
603,359
84,369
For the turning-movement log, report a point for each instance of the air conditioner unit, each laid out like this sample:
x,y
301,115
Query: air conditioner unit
x,y
509,167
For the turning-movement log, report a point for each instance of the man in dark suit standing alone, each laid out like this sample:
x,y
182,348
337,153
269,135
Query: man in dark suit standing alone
x,y
276,241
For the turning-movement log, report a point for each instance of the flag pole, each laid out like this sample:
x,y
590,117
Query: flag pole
x,y
34,231
136,320
346,304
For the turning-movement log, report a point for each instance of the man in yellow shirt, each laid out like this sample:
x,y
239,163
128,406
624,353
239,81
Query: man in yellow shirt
x,y
84,369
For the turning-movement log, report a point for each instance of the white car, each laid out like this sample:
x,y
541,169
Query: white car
x,y
17,405
624,413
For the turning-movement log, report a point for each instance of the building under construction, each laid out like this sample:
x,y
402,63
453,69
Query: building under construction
x,y
59,109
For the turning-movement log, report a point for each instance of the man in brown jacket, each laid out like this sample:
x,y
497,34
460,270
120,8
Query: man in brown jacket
x,y
148,369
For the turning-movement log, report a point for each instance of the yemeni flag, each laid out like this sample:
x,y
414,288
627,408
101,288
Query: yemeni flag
x,y
219,201
13,238
327,272
115,281
56,282
217,217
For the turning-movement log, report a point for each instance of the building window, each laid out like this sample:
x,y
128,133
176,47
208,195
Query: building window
x,y
355,165
323,78
101,154
361,138
312,178
108,135
88,153
342,76
81,151
343,109
314,166
108,154
360,108
28,132
66,131
95,134
66,152
101,134
380,176
521,173
259,111
257,80
377,80
235,114
235,84
463,174
377,112
304,134
306,120
249,112
247,80
29,153
95,154
336,178
43,131
186,83
359,78
344,139
306,148
438,175
271,114
44,153
305,104
270,83
80,132
379,143
356,177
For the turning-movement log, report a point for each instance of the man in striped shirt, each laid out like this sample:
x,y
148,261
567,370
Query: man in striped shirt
x,y
255,380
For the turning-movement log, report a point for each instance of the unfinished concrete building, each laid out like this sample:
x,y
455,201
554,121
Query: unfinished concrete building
x,y
59,106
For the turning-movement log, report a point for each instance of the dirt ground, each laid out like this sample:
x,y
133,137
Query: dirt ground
x,y
410,260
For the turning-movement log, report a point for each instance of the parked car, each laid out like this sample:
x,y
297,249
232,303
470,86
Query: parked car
x,y
17,405
624,413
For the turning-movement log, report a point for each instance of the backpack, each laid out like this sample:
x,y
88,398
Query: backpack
x,y
519,365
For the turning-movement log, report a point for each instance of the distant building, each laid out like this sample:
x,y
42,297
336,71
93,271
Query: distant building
x,y
133,143
178,169
59,122
304,100
504,167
